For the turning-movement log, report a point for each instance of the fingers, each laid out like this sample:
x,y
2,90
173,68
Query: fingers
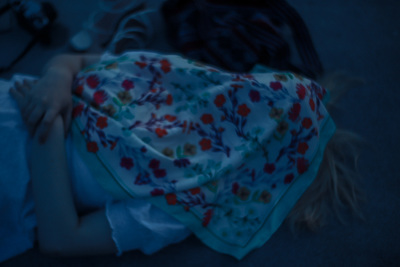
x,y
30,112
24,88
17,96
33,119
43,128
39,106
27,110
30,83
67,119
20,92
33,113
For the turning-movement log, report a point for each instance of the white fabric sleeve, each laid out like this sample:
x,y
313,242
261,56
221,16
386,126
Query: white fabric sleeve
x,y
137,224
18,219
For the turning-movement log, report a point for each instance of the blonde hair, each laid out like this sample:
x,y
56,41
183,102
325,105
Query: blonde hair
x,y
336,187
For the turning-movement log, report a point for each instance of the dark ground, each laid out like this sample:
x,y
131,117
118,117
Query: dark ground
x,y
361,37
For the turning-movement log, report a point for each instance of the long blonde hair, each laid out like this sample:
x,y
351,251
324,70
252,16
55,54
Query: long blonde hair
x,y
337,186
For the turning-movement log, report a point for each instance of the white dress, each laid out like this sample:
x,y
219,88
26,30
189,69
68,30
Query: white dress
x,y
135,224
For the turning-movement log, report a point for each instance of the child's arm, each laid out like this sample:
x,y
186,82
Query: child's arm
x,y
51,95
60,230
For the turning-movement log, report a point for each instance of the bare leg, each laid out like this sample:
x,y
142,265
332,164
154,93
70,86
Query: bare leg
x,y
60,230
55,210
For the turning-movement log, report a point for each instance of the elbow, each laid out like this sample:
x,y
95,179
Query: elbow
x,y
56,250
56,246
50,249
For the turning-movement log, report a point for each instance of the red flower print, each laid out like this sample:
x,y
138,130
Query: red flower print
x,y
275,85
181,163
288,178
170,118
127,85
169,100
243,193
154,164
269,168
312,104
126,163
207,118
92,147
102,122
207,217
219,100
243,110
213,70
165,66
157,192
235,188
301,91
195,191
302,148
265,197
161,132
184,126
159,173
99,97
113,144
280,77
205,144
141,64
77,111
302,165
254,96
307,123
171,199
79,90
92,81
143,149
236,86
238,79
253,174
112,66
294,112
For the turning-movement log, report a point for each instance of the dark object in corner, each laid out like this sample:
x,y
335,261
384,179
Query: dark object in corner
x,y
36,18
237,34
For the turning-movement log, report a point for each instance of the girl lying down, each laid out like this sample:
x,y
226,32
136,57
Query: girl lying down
x,y
160,147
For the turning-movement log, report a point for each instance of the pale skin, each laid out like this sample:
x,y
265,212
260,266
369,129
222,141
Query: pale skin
x,y
46,106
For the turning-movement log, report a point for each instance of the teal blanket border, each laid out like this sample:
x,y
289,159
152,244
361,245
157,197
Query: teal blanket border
x,y
276,217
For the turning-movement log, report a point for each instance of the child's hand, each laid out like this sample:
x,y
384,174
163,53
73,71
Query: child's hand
x,y
40,102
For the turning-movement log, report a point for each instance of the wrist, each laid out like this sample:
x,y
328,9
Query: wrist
x,y
58,72
58,77
71,64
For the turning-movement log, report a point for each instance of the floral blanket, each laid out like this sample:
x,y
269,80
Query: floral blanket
x,y
227,154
